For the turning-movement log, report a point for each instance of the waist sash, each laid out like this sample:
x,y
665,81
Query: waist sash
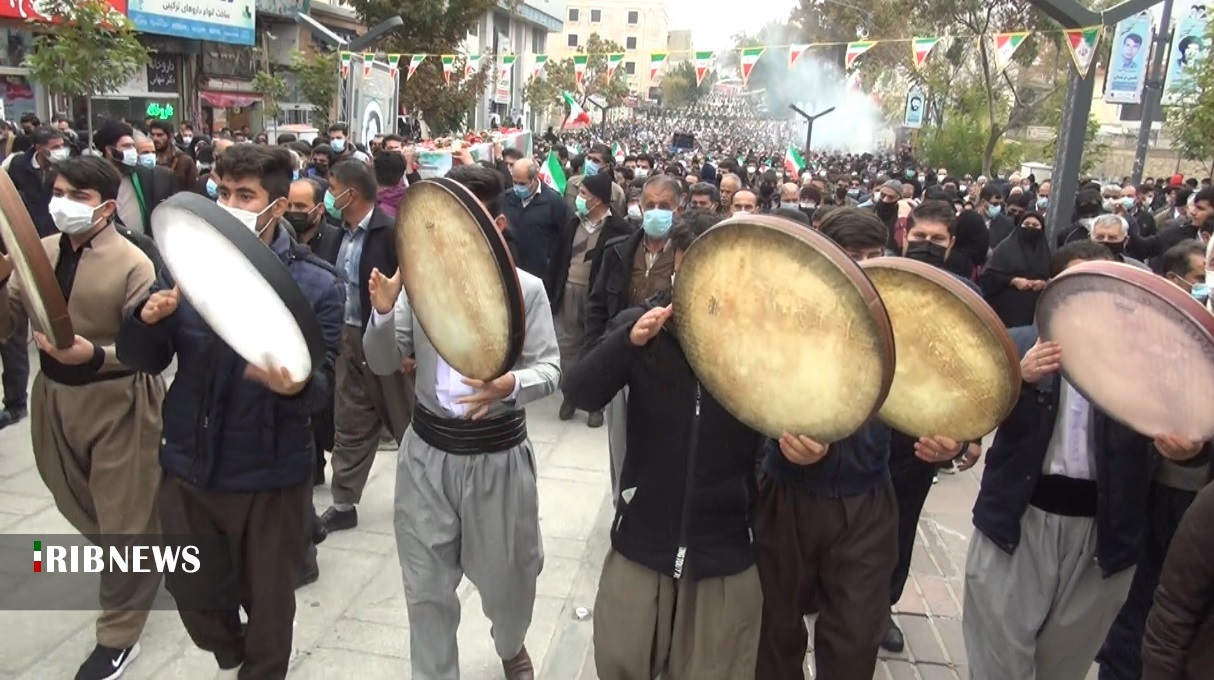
x,y
466,437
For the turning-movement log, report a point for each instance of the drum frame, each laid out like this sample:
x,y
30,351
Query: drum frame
x,y
40,279
501,253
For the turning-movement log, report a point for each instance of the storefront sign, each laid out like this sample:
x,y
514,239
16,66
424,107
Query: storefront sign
x,y
159,111
228,21
28,9
162,73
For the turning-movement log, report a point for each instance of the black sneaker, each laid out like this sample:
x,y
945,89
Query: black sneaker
x,y
567,411
12,416
339,520
309,574
107,663
893,640
595,419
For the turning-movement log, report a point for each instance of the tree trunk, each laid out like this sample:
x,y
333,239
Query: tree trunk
x,y
1211,174
988,153
89,113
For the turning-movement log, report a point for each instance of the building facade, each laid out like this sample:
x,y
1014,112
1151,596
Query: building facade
x,y
524,32
640,26
678,44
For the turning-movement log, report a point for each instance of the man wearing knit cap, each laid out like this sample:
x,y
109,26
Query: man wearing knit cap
x,y
142,188
573,266
885,205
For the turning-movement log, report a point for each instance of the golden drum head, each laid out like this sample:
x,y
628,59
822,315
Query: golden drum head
x,y
460,279
958,373
783,328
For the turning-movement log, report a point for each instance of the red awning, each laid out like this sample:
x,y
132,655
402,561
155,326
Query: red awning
x,y
227,100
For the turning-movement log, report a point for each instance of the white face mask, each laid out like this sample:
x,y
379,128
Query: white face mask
x,y
71,217
60,154
641,172
741,212
247,217
130,157
634,211
186,140
147,160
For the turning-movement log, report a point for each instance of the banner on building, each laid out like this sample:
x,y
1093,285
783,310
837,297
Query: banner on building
x,y
1188,47
226,21
1128,59
916,104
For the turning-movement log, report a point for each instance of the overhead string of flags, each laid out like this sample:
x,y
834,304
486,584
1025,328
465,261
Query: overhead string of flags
x,y
1080,41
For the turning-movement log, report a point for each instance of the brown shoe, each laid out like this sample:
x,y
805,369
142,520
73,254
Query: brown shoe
x,y
519,668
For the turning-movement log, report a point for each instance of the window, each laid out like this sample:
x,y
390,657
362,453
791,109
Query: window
x,y
634,18
630,43
537,40
572,41
630,67
596,16
573,14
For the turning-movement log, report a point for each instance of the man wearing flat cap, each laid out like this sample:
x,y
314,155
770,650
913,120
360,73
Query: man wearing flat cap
x,y
581,240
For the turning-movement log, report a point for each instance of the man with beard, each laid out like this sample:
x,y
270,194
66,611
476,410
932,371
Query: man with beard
x,y
885,206
1198,225
143,189
679,594
168,155
1088,206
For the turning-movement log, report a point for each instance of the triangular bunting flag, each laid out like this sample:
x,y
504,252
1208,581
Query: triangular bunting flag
x,y
795,52
613,63
472,64
1082,42
393,62
703,63
506,65
414,61
448,66
579,68
552,174
793,162
538,68
750,57
920,48
656,59
368,59
346,58
854,50
1006,45
578,118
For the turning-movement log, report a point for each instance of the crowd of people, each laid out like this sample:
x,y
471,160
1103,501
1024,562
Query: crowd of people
x,y
723,539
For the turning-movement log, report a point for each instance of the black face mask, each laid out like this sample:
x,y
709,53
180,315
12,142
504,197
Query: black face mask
x,y
299,221
927,252
1116,248
1031,235
841,192
886,209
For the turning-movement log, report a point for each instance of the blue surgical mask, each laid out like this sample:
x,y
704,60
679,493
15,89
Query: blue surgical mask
x,y
331,204
1128,202
522,190
992,211
590,168
790,205
657,222
580,205
1200,292
339,145
1043,202
295,176
212,188
147,160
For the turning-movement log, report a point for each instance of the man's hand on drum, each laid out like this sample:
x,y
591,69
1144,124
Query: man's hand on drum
x,y
941,449
802,450
274,378
649,325
487,394
384,290
160,306
1041,360
1021,283
78,354
1176,449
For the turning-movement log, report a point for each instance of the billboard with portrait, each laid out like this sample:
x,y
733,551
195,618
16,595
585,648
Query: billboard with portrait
x,y
1128,60
1188,47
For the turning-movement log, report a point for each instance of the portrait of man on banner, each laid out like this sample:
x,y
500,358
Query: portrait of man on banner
x,y
1129,58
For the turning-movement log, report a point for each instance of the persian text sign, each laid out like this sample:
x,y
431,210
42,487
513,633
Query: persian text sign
x,y
228,21
29,10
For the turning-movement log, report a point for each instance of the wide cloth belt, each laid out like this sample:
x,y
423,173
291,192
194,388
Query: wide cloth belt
x,y
1065,496
467,437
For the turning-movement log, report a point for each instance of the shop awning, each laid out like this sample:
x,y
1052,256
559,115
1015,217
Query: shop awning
x,y
227,100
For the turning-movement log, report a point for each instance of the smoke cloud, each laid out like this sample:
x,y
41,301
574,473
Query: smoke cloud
x,y
814,85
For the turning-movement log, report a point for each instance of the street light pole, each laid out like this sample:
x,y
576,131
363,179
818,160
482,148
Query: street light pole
x,y
809,124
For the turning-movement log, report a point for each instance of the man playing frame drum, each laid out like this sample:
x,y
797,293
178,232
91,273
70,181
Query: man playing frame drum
x,y
95,423
251,477
1059,519
466,505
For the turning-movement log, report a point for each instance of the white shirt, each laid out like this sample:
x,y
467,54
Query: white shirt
x,y
1069,453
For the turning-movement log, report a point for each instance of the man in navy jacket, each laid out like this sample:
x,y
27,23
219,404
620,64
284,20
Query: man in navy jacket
x,y
237,450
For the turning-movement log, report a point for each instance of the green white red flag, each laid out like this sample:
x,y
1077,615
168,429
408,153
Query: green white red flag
x,y
578,118
794,163
538,67
613,63
579,68
795,52
854,50
471,65
552,174
703,63
448,66
750,57
656,59
1006,45
920,48
1082,42
414,61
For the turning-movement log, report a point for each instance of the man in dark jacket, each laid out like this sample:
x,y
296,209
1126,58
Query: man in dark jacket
x,y
143,189
29,171
537,216
1199,220
577,247
682,531
237,449
1059,520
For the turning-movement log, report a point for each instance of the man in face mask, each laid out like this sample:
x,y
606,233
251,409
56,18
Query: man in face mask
x,y
306,215
322,158
1088,205
339,141
598,159
143,189
790,196
1112,232
744,203
29,171
537,216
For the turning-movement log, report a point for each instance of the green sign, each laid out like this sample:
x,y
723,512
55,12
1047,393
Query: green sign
x,y
160,111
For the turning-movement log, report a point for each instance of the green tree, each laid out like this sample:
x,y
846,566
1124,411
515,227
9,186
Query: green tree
x,y
606,92
1190,123
679,85
316,78
92,51
543,95
432,27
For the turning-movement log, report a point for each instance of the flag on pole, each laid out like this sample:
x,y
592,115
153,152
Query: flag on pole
x,y
472,65
552,174
613,63
1006,45
538,68
1082,42
703,63
618,152
656,59
368,59
920,48
578,118
750,57
854,50
794,163
346,58
795,52
448,66
414,61
393,62
506,65
579,68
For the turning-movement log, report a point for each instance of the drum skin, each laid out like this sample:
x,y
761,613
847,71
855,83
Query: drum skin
x,y
460,279
44,299
1135,346
783,328
958,373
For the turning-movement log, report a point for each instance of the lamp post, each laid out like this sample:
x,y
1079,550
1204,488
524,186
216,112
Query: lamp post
x,y
809,124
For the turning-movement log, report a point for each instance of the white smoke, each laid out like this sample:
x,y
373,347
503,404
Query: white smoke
x,y
814,85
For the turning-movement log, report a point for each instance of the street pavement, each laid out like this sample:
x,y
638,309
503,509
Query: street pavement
x,y
352,623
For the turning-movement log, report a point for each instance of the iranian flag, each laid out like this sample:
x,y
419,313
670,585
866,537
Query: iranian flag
x,y
472,65
1082,42
579,69
795,52
346,57
793,162
393,65
613,63
414,61
578,118
506,66
703,63
538,67
921,47
750,57
656,59
854,50
1006,45
448,66
618,152
368,60
552,174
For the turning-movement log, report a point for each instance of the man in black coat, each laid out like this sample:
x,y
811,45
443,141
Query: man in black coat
x,y
537,215
142,189
28,172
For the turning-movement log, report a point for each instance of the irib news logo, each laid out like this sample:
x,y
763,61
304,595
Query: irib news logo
x,y
134,559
